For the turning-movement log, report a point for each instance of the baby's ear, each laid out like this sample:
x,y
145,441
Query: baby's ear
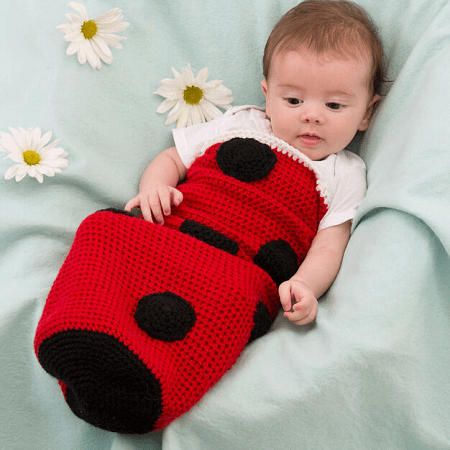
x,y
264,86
265,89
369,113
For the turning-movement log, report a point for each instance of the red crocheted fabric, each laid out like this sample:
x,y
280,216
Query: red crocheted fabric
x,y
143,319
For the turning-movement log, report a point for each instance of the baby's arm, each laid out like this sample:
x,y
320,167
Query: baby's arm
x,y
299,294
157,192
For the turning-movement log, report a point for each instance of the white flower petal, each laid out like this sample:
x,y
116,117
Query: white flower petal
x,y
8,143
38,176
61,152
35,138
122,26
55,163
76,37
51,146
223,103
188,76
112,40
16,156
72,48
196,114
102,50
74,18
92,57
45,169
11,172
80,9
18,137
176,112
44,140
183,119
22,169
217,91
211,112
32,171
202,76
20,176
169,82
48,153
82,52
175,73
170,92
112,15
112,27
64,27
28,135
166,105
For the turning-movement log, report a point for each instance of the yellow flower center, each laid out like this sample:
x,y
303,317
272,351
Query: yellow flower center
x,y
193,95
89,29
31,157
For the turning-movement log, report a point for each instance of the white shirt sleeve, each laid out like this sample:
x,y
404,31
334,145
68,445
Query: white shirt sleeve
x,y
190,141
348,189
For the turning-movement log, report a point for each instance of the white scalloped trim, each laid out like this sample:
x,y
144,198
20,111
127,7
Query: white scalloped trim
x,y
275,144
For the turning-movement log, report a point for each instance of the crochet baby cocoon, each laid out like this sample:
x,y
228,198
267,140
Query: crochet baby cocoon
x,y
143,319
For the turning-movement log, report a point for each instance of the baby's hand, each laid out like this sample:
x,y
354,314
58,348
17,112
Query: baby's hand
x,y
298,302
156,202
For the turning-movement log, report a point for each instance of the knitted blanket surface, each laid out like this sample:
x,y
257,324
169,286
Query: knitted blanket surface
x,y
143,319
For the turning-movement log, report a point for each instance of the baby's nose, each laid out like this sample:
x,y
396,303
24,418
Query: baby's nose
x,y
311,114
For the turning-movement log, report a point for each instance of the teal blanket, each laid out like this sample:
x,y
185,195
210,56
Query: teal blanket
x,y
374,371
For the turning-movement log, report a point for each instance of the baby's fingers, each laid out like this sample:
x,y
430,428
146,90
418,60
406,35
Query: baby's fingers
x,y
165,203
156,208
146,211
133,203
177,197
284,291
303,312
168,198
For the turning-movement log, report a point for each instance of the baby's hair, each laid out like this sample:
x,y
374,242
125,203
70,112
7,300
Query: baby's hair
x,y
339,27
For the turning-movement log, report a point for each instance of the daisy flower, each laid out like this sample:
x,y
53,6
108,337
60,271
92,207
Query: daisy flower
x,y
29,149
192,100
91,38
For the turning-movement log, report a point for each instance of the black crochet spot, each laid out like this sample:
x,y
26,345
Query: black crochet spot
x,y
108,385
209,236
136,212
245,159
165,316
262,322
278,259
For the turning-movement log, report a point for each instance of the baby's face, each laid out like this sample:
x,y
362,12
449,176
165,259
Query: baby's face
x,y
318,103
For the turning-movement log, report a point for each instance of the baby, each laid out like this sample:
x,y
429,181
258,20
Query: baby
x,y
323,71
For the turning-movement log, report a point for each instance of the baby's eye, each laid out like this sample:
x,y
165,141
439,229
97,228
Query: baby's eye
x,y
293,101
335,106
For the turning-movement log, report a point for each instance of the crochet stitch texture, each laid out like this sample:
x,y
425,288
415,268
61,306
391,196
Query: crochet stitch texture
x,y
143,319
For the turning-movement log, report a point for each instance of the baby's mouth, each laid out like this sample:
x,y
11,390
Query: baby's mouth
x,y
310,139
